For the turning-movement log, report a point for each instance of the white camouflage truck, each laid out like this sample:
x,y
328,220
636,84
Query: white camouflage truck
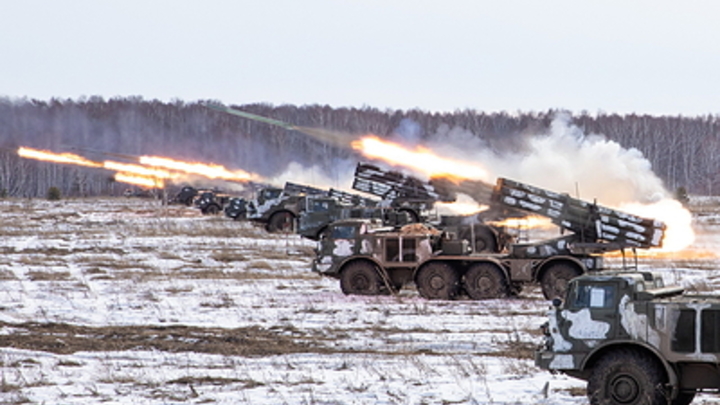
x,y
634,340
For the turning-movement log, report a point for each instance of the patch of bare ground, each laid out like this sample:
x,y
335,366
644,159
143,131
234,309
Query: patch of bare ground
x,y
208,380
55,216
54,251
48,275
190,273
67,339
7,275
576,391
253,341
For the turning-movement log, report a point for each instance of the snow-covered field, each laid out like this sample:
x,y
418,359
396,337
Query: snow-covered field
x,y
127,301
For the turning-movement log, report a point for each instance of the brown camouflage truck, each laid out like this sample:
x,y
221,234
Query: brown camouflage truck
x,y
634,340
369,258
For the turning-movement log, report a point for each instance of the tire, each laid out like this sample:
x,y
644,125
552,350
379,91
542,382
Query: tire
x,y
627,377
211,209
281,221
360,278
684,398
485,238
437,281
555,279
485,281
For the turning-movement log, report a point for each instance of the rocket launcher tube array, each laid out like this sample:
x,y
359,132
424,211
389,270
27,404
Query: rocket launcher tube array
x,y
590,222
390,184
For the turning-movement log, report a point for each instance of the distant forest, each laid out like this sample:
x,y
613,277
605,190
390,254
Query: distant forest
x,y
682,150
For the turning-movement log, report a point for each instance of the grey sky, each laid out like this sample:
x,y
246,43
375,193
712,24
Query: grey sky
x,y
655,57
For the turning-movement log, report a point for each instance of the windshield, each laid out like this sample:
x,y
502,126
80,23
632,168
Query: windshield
x,y
593,296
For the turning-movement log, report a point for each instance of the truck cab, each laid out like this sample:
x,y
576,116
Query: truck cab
x,y
634,340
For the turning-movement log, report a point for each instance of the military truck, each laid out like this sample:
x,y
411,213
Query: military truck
x,y
633,339
211,202
207,201
400,192
370,258
278,208
273,207
320,211
185,196
308,209
405,199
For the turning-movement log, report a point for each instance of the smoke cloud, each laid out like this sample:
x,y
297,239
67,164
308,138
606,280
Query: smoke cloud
x,y
565,160
340,178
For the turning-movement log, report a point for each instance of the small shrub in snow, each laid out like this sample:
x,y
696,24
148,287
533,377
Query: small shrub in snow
x,y
53,194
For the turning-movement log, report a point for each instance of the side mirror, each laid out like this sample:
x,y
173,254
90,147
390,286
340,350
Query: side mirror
x,y
557,302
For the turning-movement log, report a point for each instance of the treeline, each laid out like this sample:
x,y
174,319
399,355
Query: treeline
x,y
682,150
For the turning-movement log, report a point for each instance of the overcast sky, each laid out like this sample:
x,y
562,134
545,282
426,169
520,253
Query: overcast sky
x,y
654,57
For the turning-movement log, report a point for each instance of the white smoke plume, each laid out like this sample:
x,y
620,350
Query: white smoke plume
x,y
564,160
587,166
340,178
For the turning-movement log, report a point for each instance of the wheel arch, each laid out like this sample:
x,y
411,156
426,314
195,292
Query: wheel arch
x,y
367,259
589,362
318,235
541,268
280,211
379,268
274,214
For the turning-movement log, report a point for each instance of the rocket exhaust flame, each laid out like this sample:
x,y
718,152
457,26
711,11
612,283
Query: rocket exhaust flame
x,y
679,233
137,170
127,173
152,172
529,222
421,159
47,156
149,182
211,171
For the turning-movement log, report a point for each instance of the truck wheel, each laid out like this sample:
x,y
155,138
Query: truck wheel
x,y
555,279
360,278
281,222
485,239
238,216
485,280
437,281
211,209
628,377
